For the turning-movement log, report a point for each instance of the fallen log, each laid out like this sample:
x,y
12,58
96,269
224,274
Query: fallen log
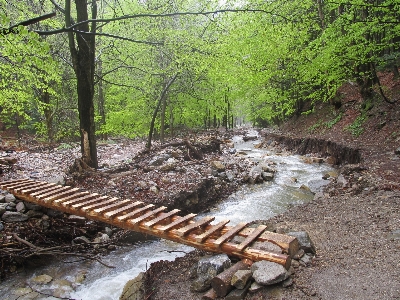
x,y
222,282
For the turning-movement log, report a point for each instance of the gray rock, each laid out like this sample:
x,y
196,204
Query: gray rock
x,y
60,180
32,206
299,254
255,287
42,279
267,246
397,151
11,206
255,175
268,176
217,165
238,294
305,241
62,288
9,198
230,176
154,189
102,238
3,208
241,278
317,185
207,268
213,265
2,198
20,207
159,160
81,240
10,216
134,289
306,260
267,273
108,231
54,213
34,214
288,282
1,226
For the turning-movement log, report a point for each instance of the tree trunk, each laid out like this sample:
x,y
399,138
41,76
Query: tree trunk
x,y
48,114
153,120
83,63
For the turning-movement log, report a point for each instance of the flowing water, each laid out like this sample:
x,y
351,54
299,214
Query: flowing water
x,y
249,203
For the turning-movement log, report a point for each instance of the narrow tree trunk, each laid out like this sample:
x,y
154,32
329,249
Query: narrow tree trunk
x,y
153,120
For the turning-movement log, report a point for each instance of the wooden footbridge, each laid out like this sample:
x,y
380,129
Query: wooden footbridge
x,y
146,218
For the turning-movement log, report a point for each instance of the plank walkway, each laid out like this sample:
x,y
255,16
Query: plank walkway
x,y
156,221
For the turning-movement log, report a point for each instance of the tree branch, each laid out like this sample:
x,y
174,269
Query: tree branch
x,y
14,28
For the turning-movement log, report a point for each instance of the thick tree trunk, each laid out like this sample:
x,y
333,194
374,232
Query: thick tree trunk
x,y
48,114
83,63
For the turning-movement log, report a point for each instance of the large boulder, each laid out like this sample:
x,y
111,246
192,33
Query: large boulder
x,y
255,175
268,273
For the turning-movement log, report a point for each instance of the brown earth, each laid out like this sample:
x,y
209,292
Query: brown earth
x,y
355,224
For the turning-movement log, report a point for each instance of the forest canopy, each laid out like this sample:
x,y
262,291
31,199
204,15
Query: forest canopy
x,y
122,68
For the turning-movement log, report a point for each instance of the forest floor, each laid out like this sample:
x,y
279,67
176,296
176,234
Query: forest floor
x,y
355,223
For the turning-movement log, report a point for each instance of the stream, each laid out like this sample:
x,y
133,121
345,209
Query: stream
x,y
249,203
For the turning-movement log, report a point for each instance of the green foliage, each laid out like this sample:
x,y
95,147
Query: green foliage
x,y
314,127
331,123
356,127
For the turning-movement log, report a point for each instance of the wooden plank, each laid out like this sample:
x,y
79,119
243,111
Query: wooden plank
x,y
147,215
135,212
81,204
37,185
289,244
229,234
161,218
5,183
35,189
70,197
200,238
177,222
92,206
113,213
67,191
109,207
28,183
256,232
185,230
49,192
77,200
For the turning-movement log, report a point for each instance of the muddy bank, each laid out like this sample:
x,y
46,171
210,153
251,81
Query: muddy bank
x,y
339,154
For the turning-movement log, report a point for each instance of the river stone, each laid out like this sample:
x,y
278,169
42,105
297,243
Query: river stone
x,y
230,176
10,216
22,291
42,279
305,242
217,165
397,151
158,160
306,260
154,189
240,278
207,268
1,226
268,273
288,282
134,289
62,288
34,214
10,198
2,198
255,175
238,294
20,207
3,208
60,180
81,240
268,176
32,206
255,287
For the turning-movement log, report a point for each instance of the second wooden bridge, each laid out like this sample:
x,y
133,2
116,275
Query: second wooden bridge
x,y
137,216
